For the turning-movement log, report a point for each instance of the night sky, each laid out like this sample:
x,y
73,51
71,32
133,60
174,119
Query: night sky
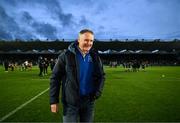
x,y
115,19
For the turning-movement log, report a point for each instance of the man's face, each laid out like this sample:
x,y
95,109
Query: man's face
x,y
85,42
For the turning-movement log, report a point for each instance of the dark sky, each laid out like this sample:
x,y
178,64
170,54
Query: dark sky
x,y
52,19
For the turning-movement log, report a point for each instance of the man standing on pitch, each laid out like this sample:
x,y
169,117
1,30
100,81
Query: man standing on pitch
x,y
79,71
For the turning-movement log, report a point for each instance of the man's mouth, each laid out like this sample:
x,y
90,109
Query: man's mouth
x,y
87,45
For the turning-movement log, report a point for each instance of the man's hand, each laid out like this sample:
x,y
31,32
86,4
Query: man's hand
x,y
54,108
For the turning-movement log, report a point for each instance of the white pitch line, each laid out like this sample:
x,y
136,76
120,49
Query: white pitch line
x,y
39,79
21,106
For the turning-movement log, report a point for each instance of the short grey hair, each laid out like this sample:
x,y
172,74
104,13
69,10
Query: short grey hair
x,y
86,30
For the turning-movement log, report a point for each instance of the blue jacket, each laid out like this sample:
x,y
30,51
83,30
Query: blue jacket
x,y
66,75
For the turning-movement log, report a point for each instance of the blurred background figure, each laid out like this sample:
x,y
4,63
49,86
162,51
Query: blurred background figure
x,y
6,65
41,65
46,65
52,63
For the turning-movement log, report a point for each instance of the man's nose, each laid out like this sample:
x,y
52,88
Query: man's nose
x,y
89,43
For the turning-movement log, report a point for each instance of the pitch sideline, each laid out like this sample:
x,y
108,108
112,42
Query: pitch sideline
x,y
23,105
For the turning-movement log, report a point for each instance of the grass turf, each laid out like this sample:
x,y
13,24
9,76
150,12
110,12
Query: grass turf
x,y
127,96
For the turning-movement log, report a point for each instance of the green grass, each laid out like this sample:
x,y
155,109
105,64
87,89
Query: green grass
x,y
127,96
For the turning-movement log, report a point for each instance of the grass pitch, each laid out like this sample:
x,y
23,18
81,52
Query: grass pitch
x,y
151,95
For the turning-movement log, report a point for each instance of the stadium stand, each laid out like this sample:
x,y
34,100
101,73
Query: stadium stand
x,y
153,53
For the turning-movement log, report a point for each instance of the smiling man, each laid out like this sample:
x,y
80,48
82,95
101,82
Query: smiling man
x,y
79,71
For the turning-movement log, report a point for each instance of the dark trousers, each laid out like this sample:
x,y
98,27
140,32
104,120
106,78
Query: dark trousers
x,y
82,113
40,71
6,68
45,70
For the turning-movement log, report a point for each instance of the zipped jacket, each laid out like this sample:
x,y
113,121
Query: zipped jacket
x,y
66,75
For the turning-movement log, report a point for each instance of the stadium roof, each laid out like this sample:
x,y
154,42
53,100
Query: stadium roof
x,y
109,51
